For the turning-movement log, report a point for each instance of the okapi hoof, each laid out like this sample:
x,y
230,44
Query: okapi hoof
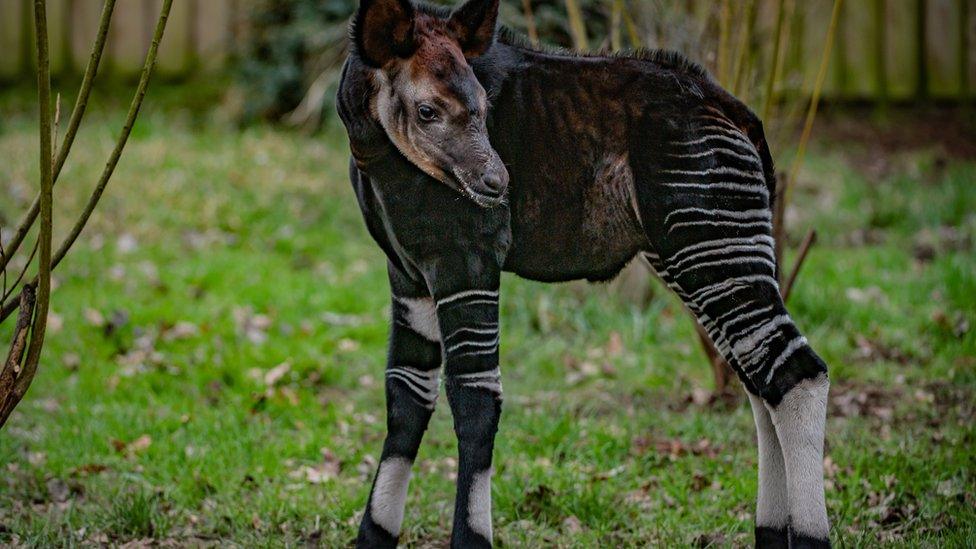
x,y
373,537
772,538
801,541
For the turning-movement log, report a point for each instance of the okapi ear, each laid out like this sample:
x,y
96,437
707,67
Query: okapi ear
x,y
474,26
383,30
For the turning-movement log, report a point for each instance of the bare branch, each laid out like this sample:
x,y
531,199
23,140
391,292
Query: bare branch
x,y
13,287
809,240
17,387
134,106
18,345
577,25
530,27
801,149
81,103
777,53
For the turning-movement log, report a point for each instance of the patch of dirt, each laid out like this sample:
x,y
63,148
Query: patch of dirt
x,y
950,129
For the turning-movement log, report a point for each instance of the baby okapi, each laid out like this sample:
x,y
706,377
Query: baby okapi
x,y
474,153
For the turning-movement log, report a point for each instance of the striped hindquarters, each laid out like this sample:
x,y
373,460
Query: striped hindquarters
x,y
714,244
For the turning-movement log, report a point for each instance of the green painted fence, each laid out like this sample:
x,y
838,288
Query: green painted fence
x,y
886,50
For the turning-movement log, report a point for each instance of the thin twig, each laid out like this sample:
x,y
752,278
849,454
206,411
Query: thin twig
x,y
616,17
577,26
724,20
632,34
113,160
777,52
22,381
81,103
809,240
815,96
530,22
13,287
18,345
57,127
743,49
3,272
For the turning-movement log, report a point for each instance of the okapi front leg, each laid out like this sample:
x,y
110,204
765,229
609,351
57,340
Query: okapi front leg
x,y
469,327
412,377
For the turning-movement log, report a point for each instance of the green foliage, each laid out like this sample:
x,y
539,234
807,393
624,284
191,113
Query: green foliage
x,y
286,37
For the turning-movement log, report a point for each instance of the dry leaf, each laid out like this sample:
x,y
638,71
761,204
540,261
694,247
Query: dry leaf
x,y
272,376
572,525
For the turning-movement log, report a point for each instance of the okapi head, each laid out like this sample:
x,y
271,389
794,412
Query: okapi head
x,y
427,98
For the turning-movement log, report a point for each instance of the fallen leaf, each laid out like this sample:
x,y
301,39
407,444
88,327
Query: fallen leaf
x,y
138,445
94,318
272,376
181,330
58,490
572,525
615,345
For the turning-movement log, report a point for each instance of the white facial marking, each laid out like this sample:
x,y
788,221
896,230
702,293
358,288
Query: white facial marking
x,y
772,506
422,316
390,494
799,420
479,504
382,107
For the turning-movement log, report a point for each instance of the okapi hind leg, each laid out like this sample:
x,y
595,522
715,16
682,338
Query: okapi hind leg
x,y
800,419
758,338
412,379
704,185
772,503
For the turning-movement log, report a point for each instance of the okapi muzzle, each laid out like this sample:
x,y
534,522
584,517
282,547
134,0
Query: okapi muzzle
x,y
428,99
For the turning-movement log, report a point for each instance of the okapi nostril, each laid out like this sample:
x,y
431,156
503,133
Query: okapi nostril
x,y
493,184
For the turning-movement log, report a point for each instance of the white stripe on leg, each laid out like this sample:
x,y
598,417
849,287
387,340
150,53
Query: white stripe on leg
x,y
479,504
422,316
799,420
772,506
390,494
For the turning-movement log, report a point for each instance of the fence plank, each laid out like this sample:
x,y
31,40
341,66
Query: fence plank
x,y
816,20
127,42
968,60
902,73
56,29
202,35
860,61
213,29
85,23
174,51
10,29
943,48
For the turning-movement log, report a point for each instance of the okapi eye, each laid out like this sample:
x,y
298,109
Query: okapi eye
x,y
426,113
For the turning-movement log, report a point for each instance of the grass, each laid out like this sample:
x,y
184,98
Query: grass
x,y
214,367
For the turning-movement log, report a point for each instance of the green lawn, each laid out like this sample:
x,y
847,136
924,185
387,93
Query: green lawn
x,y
215,360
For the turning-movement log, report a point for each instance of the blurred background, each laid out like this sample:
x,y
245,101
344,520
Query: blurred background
x,y
282,52
213,369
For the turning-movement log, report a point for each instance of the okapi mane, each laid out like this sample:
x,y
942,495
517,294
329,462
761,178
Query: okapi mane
x,y
664,58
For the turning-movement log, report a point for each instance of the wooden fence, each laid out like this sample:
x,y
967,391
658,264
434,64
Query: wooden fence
x,y
199,36
921,48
